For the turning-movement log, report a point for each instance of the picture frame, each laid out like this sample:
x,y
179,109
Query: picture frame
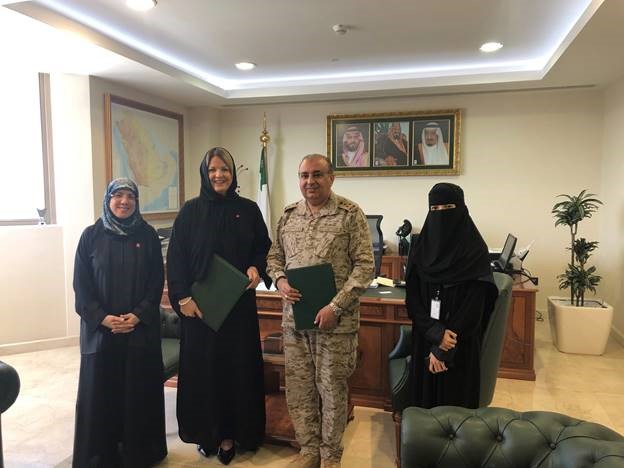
x,y
146,144
419,143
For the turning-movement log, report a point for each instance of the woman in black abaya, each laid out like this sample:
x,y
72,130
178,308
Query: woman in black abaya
x,y
118,280
220,381
450,296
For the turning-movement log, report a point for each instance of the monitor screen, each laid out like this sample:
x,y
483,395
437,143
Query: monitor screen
x,y
507,252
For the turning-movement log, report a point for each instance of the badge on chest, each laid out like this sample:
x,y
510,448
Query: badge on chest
x,y
436,303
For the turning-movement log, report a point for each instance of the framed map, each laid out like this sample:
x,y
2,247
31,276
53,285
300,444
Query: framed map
x,y
146,144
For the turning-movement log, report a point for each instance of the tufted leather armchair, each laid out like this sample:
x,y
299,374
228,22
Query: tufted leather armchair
x,y
449,436
9,389
170,342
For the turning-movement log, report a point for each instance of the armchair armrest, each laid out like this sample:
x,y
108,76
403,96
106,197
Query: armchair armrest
x,y
9,386
399,361
403,348
170,342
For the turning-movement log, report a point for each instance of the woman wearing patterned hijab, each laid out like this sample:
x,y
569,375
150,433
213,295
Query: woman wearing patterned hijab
x,y
450,295
220,382
118,280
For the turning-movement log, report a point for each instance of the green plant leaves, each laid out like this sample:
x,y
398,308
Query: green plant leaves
x,y
570,212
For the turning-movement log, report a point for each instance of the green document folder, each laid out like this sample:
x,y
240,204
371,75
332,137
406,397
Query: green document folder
x,y
219,291
317,287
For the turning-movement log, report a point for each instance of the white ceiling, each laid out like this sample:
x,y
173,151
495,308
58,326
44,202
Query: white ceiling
x,y
186,49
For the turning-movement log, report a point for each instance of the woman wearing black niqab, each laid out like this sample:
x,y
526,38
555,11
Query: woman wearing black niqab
x,y
220,381
450,295
118,280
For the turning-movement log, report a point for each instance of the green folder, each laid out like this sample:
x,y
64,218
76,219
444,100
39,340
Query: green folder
x,y
217,294
317,287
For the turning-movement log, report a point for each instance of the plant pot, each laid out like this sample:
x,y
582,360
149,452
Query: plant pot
x,y
579,330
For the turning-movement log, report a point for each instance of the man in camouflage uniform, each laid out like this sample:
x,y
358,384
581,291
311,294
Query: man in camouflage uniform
x,y
321,228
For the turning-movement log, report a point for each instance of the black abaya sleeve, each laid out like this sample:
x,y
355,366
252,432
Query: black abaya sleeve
x,y
262,244
146,309
418,311
88,304
179,277
466,318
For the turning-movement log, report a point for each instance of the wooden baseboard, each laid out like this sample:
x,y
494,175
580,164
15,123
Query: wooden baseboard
x,y
518,374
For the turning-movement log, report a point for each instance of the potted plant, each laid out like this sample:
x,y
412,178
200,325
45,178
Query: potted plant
x,y
577,324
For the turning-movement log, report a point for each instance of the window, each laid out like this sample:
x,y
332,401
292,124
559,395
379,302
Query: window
x,y
26,173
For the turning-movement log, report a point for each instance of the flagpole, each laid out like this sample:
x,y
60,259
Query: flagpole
x,y
265,139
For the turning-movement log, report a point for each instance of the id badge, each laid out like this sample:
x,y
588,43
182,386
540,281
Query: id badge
x,y
435,309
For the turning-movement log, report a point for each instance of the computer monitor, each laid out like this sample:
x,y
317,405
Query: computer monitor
x,y
502,263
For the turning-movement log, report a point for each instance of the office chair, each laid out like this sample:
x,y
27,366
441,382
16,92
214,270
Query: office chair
x,y
374,226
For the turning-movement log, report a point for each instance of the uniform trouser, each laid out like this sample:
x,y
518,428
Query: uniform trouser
x,y
318,365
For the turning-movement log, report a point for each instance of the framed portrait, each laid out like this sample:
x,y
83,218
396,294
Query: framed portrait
x,y
395,144
146,144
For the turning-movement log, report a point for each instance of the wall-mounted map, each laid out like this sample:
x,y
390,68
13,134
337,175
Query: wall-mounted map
x,y
144,143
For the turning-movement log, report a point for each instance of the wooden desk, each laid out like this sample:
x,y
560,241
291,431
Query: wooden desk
x,y
380,318
519,346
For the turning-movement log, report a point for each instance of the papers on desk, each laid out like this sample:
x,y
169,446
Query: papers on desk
x,y
385,281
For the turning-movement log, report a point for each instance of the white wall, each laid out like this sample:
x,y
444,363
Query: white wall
x,y
518,150
611,258
204,126
32,284
73,170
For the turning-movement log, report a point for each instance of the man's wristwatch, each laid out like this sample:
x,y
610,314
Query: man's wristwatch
x,y
335,309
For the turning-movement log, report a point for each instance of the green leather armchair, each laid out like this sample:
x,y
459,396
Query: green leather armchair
x,y
9,389
491,349
449,436
170,342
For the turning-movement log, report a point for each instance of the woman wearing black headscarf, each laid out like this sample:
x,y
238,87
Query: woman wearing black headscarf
x,y
118,280
450,295
220,382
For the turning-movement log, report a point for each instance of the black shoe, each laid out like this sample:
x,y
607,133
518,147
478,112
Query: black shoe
x,y
225,456
206,453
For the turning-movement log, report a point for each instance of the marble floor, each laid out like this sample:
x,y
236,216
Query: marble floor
x,y
38,429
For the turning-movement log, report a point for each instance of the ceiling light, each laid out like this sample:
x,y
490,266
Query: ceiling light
x,y
491,47
141,5
340,29
245,66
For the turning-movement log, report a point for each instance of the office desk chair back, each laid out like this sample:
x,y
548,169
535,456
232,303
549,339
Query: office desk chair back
x,y
374,226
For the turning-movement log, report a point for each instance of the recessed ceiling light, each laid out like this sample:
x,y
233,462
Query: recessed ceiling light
x,y
141,5
245,66
490,47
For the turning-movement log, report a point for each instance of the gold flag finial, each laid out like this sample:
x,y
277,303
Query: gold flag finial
x,y
264,138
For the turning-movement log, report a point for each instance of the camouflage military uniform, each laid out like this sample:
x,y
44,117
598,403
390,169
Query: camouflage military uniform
x,y
318,363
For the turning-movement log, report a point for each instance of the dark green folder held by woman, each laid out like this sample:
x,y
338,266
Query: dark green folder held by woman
x,y
217,294
317,287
